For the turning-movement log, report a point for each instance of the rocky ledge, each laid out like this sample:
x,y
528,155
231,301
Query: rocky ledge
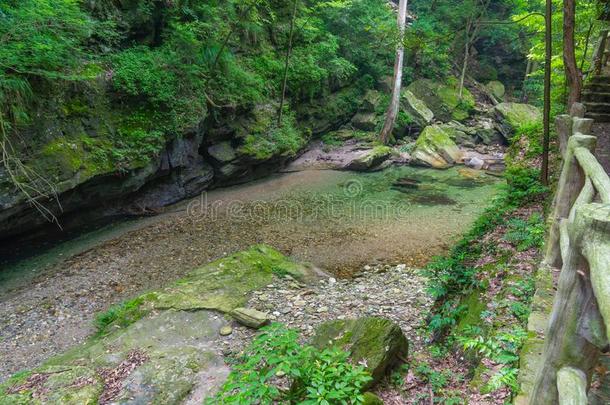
x,y
172,345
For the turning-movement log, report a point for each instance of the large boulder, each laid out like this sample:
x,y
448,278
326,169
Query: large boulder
x,y
513,116
371,101
378,343
459,133
370,159
416,109
496,89
443,99
366,121
435,148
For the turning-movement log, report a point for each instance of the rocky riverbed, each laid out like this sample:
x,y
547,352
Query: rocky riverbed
x,y
48,306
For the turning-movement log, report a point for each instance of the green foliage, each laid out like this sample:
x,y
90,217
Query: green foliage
x,y
502,348
587,28
451,277
525,235
276,368
121,315
269,139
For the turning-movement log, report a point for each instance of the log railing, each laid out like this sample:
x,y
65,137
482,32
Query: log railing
x,y
579,244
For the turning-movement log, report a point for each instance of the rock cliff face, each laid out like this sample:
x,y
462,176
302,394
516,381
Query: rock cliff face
x,y
78,156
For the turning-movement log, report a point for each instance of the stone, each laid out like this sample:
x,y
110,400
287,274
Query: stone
x,y
168,358
226,330
370,159
496,89
460,134
443,98
366,121
378,343
370,101
434,148
222,152
225,284
513,116
251,318
475,163
416,109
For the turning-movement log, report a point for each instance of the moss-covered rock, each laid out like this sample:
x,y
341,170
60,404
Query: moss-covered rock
x,y
443,99
222,152
365,121
224,285
376,342
165,352
370,159
435,148
416,109
496,89
371,101
513,116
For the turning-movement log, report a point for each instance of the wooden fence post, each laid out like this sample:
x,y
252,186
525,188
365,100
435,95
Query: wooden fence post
x,y
565,345
571,182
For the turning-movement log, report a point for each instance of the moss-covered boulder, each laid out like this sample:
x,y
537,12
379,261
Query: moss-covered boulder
x,y
160,347
370,159
513,116
435,148
224,285
371,101
459,133
365,121
443,99
496,89
222,152
378,343
416,109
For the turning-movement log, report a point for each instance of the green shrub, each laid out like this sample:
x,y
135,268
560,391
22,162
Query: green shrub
x,y
276,368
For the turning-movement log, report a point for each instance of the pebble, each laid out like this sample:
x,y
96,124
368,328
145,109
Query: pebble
x,y
226,330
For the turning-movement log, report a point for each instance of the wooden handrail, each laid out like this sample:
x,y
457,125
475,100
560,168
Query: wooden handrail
x,y
579,243
594,170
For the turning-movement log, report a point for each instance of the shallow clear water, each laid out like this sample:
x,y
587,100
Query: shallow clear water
x,y
338,221
377,220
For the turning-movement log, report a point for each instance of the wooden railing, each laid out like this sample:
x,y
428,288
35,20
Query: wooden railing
x,y
579,244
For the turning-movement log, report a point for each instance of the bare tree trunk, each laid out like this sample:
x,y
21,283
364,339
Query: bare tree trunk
x,y
392,112
288,53
546,120
573,74
466,56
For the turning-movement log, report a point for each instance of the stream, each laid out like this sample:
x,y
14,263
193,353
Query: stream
x,y
339,221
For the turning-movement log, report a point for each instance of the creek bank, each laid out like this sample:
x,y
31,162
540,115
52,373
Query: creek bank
x,y
171,348
330,223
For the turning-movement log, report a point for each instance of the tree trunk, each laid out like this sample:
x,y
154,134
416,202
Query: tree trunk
x,y
544,172
392,112
288,53
466,56
573,74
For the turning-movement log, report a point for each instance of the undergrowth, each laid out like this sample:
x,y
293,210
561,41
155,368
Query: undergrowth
x,y
277,369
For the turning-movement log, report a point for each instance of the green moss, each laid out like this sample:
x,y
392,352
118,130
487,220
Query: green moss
x,y
376,341
224,285
471,317
120,316
443,99
266,139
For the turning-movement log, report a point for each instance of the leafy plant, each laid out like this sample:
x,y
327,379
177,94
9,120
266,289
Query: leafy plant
x,y
526,234
275,367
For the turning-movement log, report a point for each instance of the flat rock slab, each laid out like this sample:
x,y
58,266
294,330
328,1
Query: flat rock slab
x,y
163,358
